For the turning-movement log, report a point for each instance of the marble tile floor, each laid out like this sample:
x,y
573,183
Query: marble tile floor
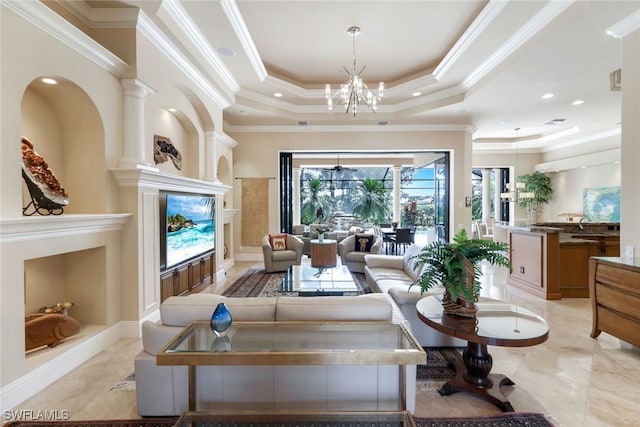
x,y
581,381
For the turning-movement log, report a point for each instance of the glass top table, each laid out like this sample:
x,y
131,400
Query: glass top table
x,y
293,418
496,323
292,343
319,281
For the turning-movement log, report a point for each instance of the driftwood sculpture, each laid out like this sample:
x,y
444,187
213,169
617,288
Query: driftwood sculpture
x,y
48,329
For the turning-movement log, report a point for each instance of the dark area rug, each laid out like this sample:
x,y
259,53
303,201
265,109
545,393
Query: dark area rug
x,y
510,419
438,370
500,420
144,422
257,282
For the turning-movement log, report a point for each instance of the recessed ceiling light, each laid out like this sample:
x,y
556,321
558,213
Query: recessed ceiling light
x,y
547,96
49,81
225,52
173,110
416,94
577,102
277,95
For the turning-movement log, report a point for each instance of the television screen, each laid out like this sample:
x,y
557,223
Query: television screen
x,y
189,225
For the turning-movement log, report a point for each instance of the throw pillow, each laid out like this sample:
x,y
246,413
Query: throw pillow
x,y
278,241
364,242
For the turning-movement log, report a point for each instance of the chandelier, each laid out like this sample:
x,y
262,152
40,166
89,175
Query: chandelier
x,y
354,91
517,192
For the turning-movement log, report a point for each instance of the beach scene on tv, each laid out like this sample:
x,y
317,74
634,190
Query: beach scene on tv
x,y
190,226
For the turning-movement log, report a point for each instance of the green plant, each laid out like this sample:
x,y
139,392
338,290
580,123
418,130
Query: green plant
x,y
413,215
449,264
540,185
314,200
371,201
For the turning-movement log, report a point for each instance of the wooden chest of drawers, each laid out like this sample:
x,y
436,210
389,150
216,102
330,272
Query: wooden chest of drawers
x,y
614,288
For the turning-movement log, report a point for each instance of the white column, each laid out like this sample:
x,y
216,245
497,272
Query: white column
x,y
630,157
210,138
396,193
296,195
497,201
134,145
486,197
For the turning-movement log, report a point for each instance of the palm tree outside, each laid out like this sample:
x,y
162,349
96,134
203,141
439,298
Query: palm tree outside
x,y
315,200
371,201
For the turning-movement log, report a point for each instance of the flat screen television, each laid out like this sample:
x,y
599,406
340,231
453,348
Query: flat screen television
x,y
187,226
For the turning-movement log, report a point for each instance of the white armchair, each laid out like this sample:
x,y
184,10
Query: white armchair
x,y
354,259
281,260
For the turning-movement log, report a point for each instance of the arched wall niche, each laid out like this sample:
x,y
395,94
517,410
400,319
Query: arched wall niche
x,y
184,136
203,117
63,123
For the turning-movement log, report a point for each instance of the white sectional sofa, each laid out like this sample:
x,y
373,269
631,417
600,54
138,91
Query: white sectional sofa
x,y
393,275
162,390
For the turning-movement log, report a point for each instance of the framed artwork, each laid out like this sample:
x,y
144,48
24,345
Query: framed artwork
x,y
602,204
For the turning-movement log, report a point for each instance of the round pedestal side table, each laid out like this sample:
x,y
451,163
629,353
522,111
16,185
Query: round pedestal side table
x,y
496,323
324,253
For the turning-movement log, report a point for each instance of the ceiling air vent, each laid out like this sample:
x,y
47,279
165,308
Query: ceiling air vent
x,y
383,123
616,80
555,121
303,123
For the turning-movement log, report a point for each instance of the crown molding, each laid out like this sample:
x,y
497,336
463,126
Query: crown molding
x,y
125,17
236,20
225,139
151,31
180,23
348,128
53,24
475,30
587,160
531,28
626,26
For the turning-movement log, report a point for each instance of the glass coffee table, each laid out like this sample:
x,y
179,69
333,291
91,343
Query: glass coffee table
x,y
299,365
319,281
297,419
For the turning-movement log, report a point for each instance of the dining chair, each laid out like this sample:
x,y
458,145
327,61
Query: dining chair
x,y
402,239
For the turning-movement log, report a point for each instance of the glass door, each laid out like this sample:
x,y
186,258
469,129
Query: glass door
x,y
442,197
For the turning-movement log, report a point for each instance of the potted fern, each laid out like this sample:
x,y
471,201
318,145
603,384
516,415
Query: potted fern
x,y
455,266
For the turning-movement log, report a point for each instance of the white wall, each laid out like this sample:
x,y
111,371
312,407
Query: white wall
x,y
569,186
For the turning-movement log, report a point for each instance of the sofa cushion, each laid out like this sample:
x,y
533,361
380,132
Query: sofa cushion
x,y
348,308
284,255
411,295
382,273
355,257
409,261
385,285
180,311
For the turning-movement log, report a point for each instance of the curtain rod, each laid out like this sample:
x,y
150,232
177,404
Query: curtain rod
x,y
249,177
